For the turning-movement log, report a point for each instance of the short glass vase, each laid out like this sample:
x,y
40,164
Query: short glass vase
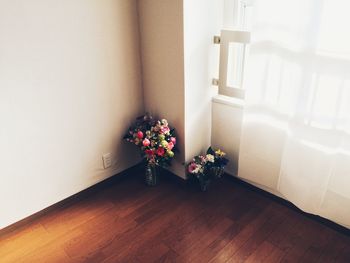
x,y
217,172
204,184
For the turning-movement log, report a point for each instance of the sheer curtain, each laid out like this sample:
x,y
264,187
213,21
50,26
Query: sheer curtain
x,y
296,123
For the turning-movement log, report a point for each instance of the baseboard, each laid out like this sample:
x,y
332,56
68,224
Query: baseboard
x,y
138,168
73,198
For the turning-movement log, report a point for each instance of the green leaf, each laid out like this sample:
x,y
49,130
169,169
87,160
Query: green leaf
x,y
210,151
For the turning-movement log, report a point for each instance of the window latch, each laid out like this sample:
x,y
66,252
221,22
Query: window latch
x,y
215,82
217,39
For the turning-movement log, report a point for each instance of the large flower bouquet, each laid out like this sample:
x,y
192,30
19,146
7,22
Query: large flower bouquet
x,y
155,139
207,167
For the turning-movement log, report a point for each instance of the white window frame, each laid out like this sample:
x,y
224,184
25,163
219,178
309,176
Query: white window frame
x,y
227,37
236,23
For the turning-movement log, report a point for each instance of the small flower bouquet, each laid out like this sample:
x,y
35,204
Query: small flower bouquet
x,y
217,163
207,167
156,141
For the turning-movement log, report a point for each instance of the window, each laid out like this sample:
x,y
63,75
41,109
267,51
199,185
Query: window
x,y
233,47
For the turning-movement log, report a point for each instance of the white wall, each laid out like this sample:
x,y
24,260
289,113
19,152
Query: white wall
x,y
161,31
227,115
202,20
69,87
179,61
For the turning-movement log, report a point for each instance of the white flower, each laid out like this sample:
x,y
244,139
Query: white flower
x,y
164,122
210,158
198,169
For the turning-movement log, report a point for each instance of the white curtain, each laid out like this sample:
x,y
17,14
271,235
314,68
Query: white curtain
x,y
296,123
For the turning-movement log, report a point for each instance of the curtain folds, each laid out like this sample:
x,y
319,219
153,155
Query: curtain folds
x,y
296,123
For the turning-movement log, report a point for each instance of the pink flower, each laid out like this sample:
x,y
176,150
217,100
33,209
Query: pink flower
x,y
192,167
160,151
173,140
170,145
146,142
164,130
140,134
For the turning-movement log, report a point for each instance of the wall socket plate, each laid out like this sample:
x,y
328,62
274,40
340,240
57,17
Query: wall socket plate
x,y
107,160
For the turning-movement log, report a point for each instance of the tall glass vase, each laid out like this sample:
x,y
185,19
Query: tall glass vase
x,y
151,174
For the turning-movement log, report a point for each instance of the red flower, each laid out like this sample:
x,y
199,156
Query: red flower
x,y
140,134
173,140
149,152
160,151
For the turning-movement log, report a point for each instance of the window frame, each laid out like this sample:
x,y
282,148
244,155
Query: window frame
x,y
235,23
227,37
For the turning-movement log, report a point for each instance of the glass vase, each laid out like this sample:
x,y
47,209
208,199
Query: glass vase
x,y
217,172
151,175
204,184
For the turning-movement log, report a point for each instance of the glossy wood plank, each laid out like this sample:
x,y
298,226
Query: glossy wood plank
x,y
173,222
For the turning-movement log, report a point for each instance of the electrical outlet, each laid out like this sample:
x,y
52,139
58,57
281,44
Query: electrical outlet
x,y
107,160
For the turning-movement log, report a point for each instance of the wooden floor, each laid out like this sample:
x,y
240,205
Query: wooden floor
x,y
174,222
